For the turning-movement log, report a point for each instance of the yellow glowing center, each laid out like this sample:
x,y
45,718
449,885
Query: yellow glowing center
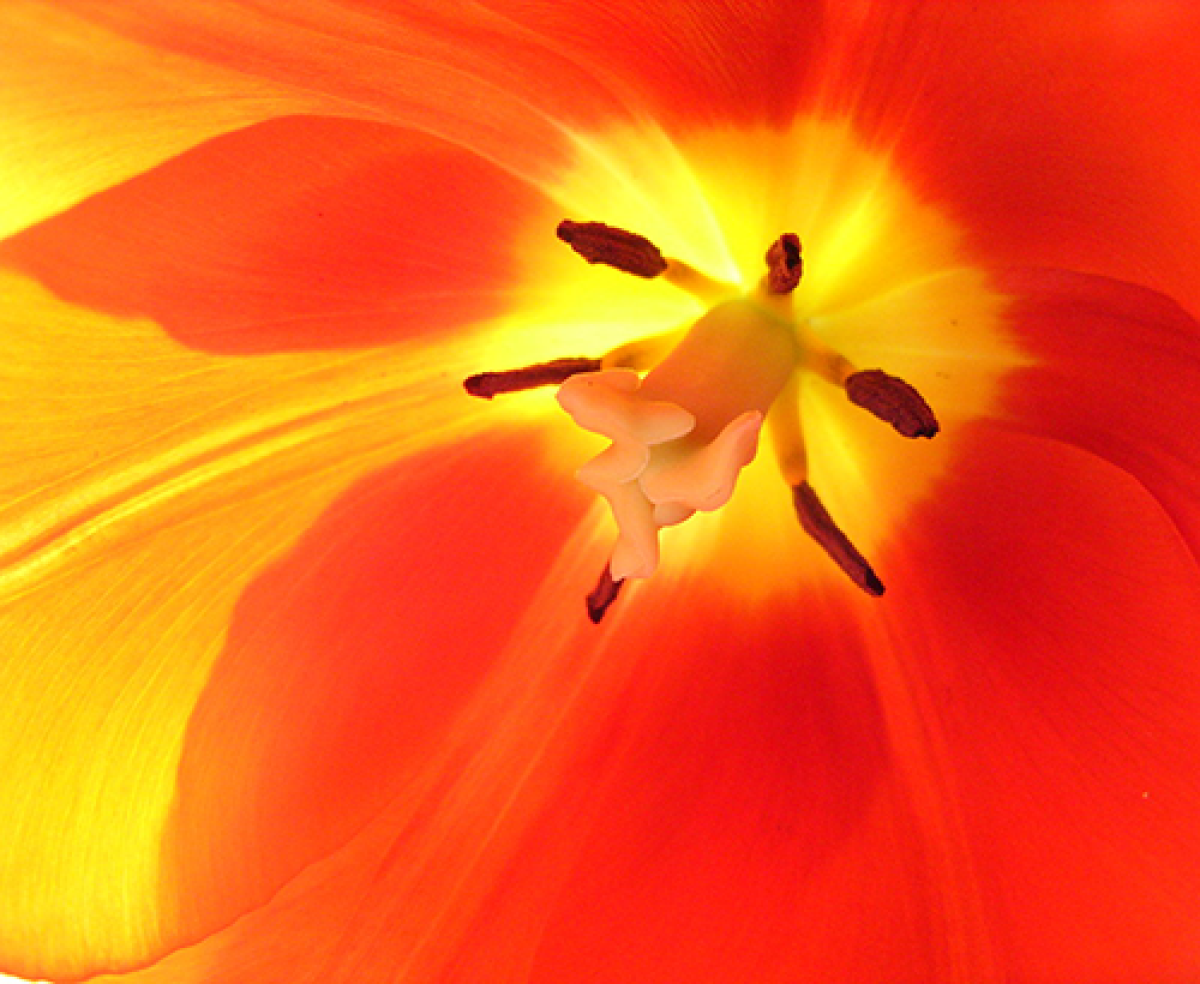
x,y
886,284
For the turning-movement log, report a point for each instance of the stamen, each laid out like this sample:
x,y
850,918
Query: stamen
x,y
626,251
893,400
818,524
784,264
603,595
787,433
485,385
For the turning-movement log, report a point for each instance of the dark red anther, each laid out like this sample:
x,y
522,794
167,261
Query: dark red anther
x,y
603,595
818,524
487,384
784,264
626,251
893,400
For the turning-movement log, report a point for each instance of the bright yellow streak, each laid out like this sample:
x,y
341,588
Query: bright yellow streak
x,y
145,485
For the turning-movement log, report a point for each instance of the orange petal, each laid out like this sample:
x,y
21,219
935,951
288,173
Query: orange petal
x,y
736,816
987,775
954,789
348,662
490,74
84,109
457,71
144,485
299,233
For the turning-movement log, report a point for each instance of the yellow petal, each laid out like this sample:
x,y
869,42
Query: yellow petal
x,y
143,486
84,109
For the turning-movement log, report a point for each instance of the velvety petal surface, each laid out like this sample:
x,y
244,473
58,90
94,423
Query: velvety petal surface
x,y
85,108
301,233
144,486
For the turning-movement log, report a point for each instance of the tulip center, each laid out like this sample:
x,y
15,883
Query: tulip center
x,y
887,291
683,412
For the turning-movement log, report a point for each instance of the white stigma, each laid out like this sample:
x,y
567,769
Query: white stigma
x,y
681,437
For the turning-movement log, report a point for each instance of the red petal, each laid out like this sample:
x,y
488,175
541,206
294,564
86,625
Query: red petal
x,y
1060,132
1000,784
1119,377
735,817
296,234
1050,634
348,662
689,62
991,777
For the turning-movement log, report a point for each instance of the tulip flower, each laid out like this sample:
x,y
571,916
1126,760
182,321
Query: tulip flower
x,y
818,299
